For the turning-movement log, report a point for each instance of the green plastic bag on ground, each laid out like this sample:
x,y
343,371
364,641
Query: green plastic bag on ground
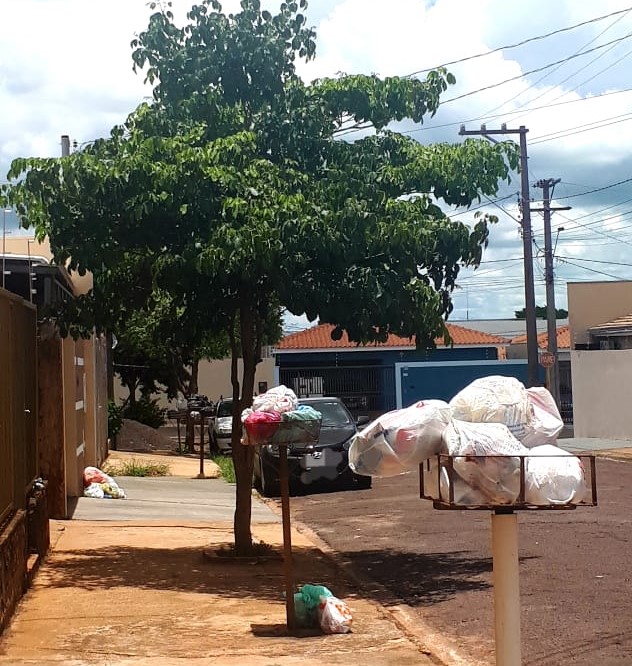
x,y
306,602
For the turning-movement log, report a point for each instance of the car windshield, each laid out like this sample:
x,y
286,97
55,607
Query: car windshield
x,y
334,414
225,408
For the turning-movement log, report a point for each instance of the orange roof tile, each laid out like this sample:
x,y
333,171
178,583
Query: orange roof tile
x,y
563,339
618,325
319,337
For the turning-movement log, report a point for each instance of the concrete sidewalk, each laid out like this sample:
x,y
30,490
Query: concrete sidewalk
x,y
141,590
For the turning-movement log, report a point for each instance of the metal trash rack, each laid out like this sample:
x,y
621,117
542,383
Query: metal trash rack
x,y
504,536
290,433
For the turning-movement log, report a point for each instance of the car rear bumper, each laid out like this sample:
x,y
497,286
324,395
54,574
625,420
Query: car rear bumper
x,y
319,466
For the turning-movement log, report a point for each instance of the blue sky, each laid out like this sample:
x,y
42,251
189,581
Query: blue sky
x,y
65,68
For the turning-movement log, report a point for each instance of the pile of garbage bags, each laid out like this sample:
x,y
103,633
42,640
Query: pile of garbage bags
x,y
99,485
315,605
276,418
487,428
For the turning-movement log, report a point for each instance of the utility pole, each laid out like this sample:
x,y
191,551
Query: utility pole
x,y
548,185
527,244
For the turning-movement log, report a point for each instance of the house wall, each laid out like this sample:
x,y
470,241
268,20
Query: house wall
x,y
213,381
602,385
594,303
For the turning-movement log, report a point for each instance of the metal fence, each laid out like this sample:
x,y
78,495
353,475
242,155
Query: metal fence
x,y
366,390
18,402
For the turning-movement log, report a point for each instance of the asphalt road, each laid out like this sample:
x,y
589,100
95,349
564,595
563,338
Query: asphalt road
x,y
575,566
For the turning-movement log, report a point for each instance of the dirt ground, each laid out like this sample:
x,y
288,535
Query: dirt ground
x,y
131,594
575,572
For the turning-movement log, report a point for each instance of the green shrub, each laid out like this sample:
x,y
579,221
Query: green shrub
x,y
136,468
145,411
115,419
226,467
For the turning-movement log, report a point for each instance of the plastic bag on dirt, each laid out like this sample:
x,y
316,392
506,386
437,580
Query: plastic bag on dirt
x,y
495,399
306,603
553,476
399,440
334,616
546,423
487,458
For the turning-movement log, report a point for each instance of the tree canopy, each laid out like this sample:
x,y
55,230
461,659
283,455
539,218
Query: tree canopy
x,y
245,189
541,313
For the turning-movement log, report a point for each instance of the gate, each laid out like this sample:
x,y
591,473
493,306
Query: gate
x,y
18,398
366,390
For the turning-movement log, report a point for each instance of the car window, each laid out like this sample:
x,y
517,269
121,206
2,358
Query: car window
x,y
334,414
225,409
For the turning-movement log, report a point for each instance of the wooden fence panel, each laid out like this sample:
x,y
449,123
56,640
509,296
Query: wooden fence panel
x,y
6,448
18,401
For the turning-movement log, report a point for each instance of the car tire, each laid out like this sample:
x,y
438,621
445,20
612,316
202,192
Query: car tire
x,y
214,448
269,487
362,482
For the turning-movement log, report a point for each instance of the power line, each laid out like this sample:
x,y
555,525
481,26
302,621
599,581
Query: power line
x,y
544,76
595,261
597,189
523,42
536,70
517,111
562,134
592,270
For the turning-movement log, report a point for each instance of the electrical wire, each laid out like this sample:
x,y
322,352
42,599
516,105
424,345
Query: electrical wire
x,y
536,70
517,111
597,189
544,76
523,42
562,134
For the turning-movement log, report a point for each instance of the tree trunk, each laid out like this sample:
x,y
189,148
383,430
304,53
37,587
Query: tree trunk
x,y
243,456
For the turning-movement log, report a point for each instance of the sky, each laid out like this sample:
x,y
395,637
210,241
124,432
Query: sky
x,y
66,68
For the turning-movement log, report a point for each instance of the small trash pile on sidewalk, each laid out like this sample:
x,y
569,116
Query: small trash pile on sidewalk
x,y
99,485
487,428
276,418
316,606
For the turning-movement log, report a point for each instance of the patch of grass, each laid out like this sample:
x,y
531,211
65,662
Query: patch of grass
x,y
137,468
226,467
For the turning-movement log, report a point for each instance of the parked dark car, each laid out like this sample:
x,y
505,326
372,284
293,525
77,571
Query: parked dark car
x,y
326,460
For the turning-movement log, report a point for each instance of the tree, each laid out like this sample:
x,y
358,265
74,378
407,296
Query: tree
x,y
541,313
241,177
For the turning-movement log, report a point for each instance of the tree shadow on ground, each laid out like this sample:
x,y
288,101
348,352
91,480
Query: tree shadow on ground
x,y
422,579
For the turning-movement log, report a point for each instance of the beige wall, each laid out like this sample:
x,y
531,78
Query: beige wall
x,y
214,380
593,303
602,386
26,245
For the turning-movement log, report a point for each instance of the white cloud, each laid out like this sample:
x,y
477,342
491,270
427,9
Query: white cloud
x,y
65,68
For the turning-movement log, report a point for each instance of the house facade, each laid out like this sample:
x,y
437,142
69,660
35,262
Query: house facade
x,y
378,377
600,319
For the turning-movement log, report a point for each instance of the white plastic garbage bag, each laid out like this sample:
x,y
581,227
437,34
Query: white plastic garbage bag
x,y
399,440
278,399
495,399
437,485
553,476
546,423
334,616
486,458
